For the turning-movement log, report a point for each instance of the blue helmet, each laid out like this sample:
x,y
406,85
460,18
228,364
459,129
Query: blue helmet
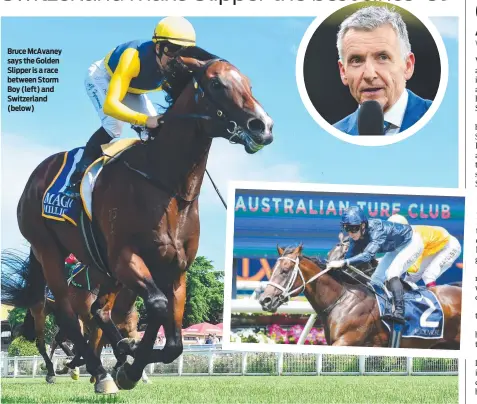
x,y
353,216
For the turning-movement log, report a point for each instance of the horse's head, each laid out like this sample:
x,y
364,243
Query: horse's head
x,y
338,252
224,98
290,276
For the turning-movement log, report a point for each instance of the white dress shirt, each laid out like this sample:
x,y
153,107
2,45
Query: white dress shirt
x,y
395,114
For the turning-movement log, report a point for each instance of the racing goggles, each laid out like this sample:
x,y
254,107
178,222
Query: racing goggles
x,y
171,49
352,228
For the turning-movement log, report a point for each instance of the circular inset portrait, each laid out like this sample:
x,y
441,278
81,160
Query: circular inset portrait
x,y
372,75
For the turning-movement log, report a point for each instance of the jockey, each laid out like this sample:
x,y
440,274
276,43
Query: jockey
x,y
117,86
440,251
369,237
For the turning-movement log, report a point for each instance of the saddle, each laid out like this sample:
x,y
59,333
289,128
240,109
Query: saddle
x,y
79,212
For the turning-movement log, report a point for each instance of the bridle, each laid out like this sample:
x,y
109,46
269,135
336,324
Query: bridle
x,y
286,291
200,93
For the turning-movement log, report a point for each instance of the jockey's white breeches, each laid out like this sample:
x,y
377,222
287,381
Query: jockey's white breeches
x,y
433,266
396,263
97,83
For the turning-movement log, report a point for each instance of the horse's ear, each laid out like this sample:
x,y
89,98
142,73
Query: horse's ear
x,y
279,250
341,236
191,63
299,249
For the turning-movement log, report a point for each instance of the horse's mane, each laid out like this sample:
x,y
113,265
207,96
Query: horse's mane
x,y
178,75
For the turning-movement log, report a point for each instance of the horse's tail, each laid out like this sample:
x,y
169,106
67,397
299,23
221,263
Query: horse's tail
x,y
23,283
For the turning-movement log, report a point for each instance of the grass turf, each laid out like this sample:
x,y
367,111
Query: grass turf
x,y
245,389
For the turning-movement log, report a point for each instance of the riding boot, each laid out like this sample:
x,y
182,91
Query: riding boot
x,y
397,318
91,152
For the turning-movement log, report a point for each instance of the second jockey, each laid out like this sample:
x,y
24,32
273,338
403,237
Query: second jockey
x,y
441,250
117,86
369,237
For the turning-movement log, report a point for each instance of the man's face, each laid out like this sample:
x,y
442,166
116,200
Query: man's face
x,y
355,232
167,55
373,66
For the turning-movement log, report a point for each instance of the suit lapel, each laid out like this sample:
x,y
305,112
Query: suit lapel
x,y
409,115
353,124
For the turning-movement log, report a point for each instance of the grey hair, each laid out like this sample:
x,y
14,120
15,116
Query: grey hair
x,y
371,18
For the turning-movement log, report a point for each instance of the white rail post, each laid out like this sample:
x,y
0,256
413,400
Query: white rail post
x,y
244,363
35,366
15,366
362,364
55,363
409,366
280,363
211,362
151,368
319,364
306,330
180,365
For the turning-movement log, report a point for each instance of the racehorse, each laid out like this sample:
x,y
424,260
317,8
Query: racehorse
x,y
145,212
350,313
81,296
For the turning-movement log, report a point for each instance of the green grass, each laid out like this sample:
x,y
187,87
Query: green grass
x,y
245,389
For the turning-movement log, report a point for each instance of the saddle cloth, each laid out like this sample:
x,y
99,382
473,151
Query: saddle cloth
x,y
423,312
56,205
72,272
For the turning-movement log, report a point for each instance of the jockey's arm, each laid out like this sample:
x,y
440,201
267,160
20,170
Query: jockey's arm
x,y
128,68
377,240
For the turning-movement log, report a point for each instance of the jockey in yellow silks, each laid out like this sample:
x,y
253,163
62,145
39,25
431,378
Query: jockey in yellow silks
x,y
118,83
441,249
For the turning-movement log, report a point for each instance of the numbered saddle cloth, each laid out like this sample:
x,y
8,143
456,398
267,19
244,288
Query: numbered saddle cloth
x,y
423,312
60,207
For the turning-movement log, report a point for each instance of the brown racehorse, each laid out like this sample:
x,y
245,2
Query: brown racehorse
x,y
145,211
124,314
350,313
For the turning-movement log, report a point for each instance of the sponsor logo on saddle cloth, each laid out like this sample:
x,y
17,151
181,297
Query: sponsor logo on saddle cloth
x,y
58,206
423,312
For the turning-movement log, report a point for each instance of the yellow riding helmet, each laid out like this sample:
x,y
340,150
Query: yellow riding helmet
x,y
176,30
398,219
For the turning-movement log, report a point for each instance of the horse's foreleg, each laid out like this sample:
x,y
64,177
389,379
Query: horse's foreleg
x,y
38,314
173,324
135,275
52,263
101,310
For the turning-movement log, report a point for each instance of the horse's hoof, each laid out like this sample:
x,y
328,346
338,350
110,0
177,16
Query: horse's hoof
x,y
122,379
74,373
50,379
106,385
92,379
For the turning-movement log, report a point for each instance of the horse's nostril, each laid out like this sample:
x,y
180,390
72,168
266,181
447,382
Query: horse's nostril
x,y
265,301
256,125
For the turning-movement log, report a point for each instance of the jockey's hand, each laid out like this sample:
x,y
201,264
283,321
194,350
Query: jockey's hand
x,y
153,121
335,264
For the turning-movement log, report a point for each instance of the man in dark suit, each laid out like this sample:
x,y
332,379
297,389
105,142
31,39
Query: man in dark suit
x,y
375,62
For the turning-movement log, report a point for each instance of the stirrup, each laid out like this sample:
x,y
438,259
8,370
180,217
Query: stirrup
x,y
395,335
